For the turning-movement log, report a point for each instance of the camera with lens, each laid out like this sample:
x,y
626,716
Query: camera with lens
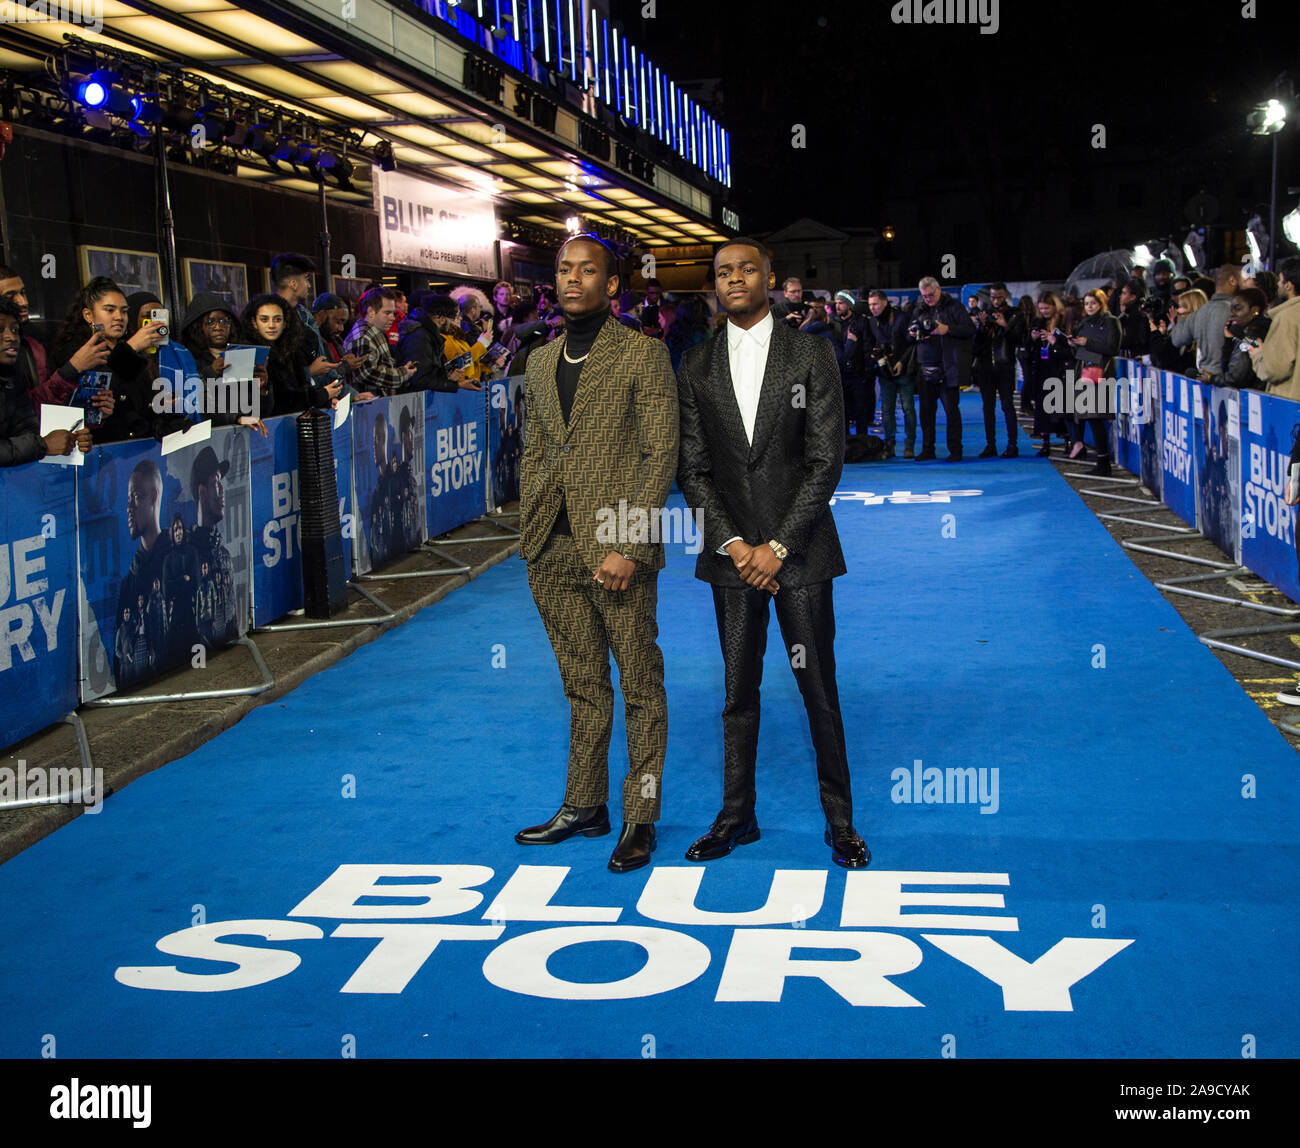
x,y
923,327
1153,307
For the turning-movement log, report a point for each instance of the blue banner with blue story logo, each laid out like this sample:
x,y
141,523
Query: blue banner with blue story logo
x,y
388,451
1149,394
38,596
165,561
1124,429
506,415
277,541
1268,541
456,437
1217,442
1177,461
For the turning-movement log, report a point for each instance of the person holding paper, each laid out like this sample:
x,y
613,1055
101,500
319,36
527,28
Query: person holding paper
x,y
20,438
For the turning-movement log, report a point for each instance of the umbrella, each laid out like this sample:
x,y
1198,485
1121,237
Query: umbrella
x,y
1107,265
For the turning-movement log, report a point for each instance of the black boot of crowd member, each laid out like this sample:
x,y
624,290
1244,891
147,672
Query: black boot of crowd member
x,y
1103,466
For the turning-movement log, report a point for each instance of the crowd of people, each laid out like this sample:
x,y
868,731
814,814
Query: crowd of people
x,y
1228,330
109,353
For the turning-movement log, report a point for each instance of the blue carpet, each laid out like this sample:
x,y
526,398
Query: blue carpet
x,y
994,631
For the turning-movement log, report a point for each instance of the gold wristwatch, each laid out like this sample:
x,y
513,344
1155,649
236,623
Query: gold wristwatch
x,y
779,550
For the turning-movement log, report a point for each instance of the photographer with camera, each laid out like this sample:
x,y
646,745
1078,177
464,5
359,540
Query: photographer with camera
x,y
792,308
999,331
1136,310
1247,327
884,339
943,334
859,389
1161,287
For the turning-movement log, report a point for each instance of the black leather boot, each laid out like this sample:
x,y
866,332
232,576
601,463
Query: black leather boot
x,y
635,844
589,820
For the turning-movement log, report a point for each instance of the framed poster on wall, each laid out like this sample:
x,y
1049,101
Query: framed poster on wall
x,y
131,270
228,281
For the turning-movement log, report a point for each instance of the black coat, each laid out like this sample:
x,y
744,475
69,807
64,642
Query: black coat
x,y
954,350
1102,333
779,488
996,344
133,391
421,343
20,439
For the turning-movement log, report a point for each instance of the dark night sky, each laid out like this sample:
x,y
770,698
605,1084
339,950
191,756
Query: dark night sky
x,y
1158,75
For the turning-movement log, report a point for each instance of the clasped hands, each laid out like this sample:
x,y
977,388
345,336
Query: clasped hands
x,y
757,565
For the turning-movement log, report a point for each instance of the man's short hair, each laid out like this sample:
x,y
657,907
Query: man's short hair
x,y
148,469
10,308
611,260
1289,269
1137,287
928,281
438,306
7,272
285,266
745,241
374,299
998,287
652,282
1227,273
878,294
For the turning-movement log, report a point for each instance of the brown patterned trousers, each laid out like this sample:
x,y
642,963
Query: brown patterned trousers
x,y
585,623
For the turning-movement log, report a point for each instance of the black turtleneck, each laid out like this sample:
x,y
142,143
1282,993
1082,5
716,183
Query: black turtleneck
x,y
579,337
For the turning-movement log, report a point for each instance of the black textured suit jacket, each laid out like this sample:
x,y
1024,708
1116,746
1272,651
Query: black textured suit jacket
x,y
779,487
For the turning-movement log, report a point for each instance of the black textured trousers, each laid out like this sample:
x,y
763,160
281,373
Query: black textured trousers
x,y
998,382
933,390
806,615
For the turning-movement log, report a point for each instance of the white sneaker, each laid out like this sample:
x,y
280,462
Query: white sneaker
x,y
1291,699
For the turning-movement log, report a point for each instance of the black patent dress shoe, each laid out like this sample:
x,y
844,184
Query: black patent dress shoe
x,y
721,840
989,451
635,844
589,820
926,455
848,850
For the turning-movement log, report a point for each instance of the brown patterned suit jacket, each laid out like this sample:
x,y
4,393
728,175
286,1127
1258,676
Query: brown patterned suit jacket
x,y
620,444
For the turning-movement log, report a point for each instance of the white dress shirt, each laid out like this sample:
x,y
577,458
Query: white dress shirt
x,y
747,360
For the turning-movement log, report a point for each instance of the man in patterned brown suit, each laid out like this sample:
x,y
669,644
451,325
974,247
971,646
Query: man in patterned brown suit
x,y
600,450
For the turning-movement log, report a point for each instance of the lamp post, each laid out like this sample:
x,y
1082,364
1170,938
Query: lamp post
x,y
1269,119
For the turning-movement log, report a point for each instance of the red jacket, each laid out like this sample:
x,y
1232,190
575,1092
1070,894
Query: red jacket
x,y
50,387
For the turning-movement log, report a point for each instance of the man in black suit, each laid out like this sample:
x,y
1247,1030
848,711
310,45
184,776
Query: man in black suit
x,y
762,442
